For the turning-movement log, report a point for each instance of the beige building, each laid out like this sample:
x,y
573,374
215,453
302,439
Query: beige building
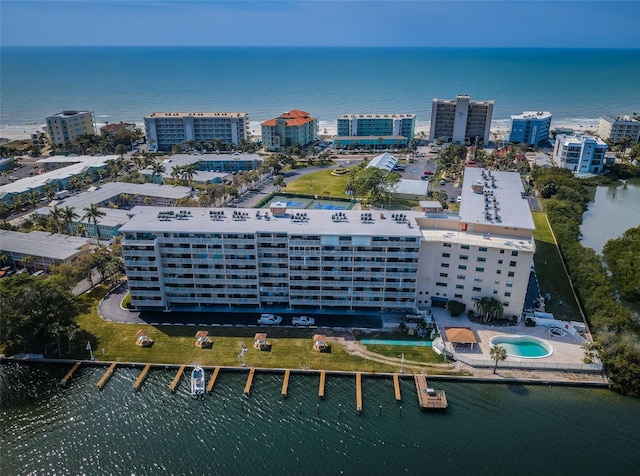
x,y
461,119
290,128
615,128
69,125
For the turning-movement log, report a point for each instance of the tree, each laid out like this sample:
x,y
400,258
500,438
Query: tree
x,y
279,182
157,169
68,215
490,308
498,354
27,260
93,214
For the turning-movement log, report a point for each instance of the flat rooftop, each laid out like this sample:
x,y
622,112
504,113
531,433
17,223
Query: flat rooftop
x,y
378,116
498,199
478,239
317,222
532,115
197,114
41,243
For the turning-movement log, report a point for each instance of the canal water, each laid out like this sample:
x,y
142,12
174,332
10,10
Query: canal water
x,y
488,428
614,209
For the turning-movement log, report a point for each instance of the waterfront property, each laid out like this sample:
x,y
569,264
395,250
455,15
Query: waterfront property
x,y
290,128
616,128
166,129
112,129
377,131
581,154
198,259
39,250
67,126
461,120
530,128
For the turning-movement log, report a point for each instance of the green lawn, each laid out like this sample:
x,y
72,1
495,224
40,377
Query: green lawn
x,y
320,183
291,348
417,354
551,274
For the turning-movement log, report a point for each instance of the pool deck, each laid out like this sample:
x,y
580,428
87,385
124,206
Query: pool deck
x,y
567,350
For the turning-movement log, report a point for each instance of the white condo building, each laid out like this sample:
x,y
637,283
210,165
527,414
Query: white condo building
x,y
166,129
197,258
460,119
580,154
69,125
616,128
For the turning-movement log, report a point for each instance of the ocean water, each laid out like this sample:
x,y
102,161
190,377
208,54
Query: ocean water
x,y
488,429
126,83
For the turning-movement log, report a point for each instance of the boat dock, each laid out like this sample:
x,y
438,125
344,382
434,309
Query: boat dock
x,y
176,379
140,379
285,383
396,387
429,398
247,387
323,377
212,381
70,373
103,380
358,392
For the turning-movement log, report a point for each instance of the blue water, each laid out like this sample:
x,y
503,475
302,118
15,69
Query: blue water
x,y
126,83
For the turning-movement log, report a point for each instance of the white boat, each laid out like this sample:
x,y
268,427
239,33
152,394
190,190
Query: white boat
x,y
197,381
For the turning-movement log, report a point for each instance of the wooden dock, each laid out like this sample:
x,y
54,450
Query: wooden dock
x,y
212,380
103,380
358,392
140,379
323,377
176,379
396,387
285,383
66,378
429,398
247,387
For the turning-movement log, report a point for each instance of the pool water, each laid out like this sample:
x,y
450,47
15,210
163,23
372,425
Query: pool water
x,y
526,347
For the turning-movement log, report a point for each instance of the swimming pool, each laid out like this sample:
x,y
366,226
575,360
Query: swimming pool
x,y
525,347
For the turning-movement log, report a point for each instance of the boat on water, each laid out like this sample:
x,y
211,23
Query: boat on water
x,y
197,381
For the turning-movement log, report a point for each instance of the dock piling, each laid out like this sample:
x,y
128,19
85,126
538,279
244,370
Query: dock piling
x,y
396,386
103,380
143,374
247,387
176,379
212,381
323,375
358,392
66,378
285,383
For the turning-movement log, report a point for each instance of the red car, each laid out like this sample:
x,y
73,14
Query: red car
x,y
428,172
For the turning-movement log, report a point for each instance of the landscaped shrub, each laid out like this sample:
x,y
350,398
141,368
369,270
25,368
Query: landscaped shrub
x,y
455,308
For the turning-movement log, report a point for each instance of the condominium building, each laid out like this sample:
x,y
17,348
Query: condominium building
x,y
616,128
290,128
530,128
580,154
166,129
326,260
69,125
361,128
461,119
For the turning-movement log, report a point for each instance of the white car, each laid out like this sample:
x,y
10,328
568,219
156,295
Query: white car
x,y
269,319
303,321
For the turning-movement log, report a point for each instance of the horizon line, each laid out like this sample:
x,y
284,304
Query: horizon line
x,y
337,46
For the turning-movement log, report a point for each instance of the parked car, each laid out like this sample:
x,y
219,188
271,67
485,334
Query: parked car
x,y
428,172
269,319
459,199
443,182
303,321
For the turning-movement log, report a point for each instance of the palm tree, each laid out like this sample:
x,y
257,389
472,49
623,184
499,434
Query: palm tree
x,y
92,214
279,182
490,308
498,353
217,145
157,169
69,215
26,261
57,217
187,172
81,230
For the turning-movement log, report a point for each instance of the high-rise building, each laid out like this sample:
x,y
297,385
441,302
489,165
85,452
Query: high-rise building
x,y
334,260
166,129
69,125
288,129
376,130
530,128
580,154
461,120
616,128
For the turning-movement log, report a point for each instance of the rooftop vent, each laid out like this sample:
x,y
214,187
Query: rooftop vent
x,y
339,217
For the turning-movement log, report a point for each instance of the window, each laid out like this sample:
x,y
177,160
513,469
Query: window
x,y
459,286
458,296
505,303
482,248
514,253
497,281
444,265
512,264
498,271
476,289
442,285
462,266
509,284
478,279
495,291
444,275
500,261
511,274
482,259
460,276
507,294
464,247
464,257
446,245
479,269
446,255
501,252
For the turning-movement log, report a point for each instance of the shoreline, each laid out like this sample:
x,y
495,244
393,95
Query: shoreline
x,y
499,127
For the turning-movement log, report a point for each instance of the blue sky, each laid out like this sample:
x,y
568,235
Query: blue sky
x,y
475,23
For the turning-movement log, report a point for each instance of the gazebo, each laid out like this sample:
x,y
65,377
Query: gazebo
x,y
460,335
319,342
260,341
202,340
143,339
